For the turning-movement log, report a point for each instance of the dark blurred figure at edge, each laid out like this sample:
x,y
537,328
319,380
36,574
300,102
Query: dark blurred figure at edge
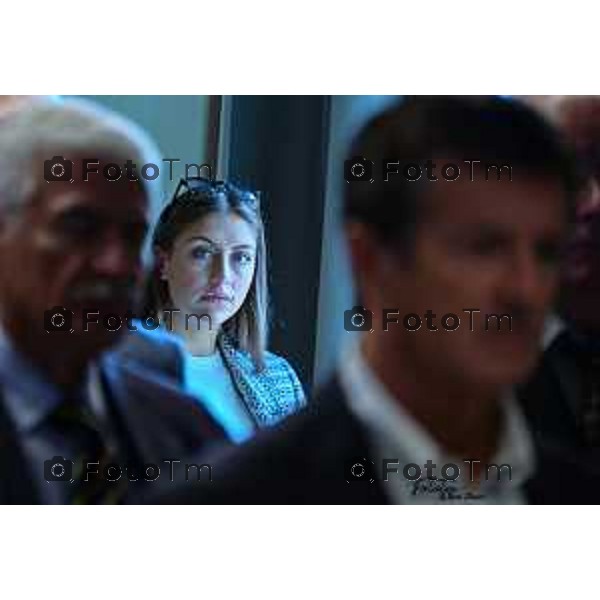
x,y
563,397
423,415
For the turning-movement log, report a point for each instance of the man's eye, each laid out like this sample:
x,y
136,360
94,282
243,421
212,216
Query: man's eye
x,y
135,234
78,226
484,247
550,253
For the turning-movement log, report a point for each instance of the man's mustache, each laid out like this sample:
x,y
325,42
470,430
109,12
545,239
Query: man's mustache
x,y
103,290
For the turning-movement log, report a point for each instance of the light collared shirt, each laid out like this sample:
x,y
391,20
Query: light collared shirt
x,y
29,399
553,327
397,437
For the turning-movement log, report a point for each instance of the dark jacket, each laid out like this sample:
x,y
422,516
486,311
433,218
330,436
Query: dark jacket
x,y
305,461
155,419
553,399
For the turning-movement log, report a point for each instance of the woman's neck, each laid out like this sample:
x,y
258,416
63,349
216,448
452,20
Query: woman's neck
x,y
199,342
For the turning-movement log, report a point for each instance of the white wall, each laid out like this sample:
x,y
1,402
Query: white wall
x,y
178,124
336,292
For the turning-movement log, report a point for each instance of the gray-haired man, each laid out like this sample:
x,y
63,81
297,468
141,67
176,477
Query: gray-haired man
x,y
70,256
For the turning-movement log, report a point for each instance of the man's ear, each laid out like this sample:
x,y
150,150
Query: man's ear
x,y
360,247
373,261
366,254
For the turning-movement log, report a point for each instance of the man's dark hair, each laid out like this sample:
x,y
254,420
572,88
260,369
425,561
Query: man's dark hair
x,y
478,128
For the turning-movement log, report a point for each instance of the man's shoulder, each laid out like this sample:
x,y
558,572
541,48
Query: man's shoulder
x,y
326,418
305,434
550,396
154,397
301,461
564,474
153,350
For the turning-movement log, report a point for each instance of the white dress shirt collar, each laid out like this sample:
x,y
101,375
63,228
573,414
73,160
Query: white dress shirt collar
x,y
553,327
394,433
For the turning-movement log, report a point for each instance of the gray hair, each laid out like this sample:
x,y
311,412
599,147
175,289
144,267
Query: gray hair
x,y
49,126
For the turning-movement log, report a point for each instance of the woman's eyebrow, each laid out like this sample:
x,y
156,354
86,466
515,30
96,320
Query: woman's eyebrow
x,y
234,246
201,238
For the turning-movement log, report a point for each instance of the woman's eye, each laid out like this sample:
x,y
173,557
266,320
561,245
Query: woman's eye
x,y
243,258
201,253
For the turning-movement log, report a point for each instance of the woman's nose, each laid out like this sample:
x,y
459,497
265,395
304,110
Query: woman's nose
x,y
219,269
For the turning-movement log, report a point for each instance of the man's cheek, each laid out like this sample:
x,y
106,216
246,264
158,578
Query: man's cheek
x,y
66,271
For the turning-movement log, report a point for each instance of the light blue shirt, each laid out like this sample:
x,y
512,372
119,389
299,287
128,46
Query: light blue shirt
x,y
208,379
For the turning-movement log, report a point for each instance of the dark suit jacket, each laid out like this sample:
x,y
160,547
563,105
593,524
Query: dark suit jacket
x,y
155,419
304,461
551,399
155,351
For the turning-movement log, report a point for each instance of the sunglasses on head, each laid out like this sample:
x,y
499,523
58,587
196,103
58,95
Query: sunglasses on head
x,y
201,185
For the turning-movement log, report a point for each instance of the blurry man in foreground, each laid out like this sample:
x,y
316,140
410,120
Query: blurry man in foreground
x,y
70,243
421,409
563,397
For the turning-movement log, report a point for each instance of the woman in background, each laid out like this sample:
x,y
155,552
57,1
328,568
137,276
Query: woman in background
x,y
210,278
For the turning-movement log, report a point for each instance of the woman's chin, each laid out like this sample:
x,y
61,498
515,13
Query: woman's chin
x,y
215,313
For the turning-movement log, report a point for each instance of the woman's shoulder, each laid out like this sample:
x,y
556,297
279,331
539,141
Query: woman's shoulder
x,y
274,364
278,376
277,362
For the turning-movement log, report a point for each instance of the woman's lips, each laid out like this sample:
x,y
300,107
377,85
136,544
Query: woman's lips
x,y
216,299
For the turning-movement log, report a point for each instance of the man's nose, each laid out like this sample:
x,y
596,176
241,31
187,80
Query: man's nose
x,y
528,286
114,257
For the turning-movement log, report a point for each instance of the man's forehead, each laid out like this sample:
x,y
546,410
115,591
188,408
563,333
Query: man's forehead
x,y
117,200
503,199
